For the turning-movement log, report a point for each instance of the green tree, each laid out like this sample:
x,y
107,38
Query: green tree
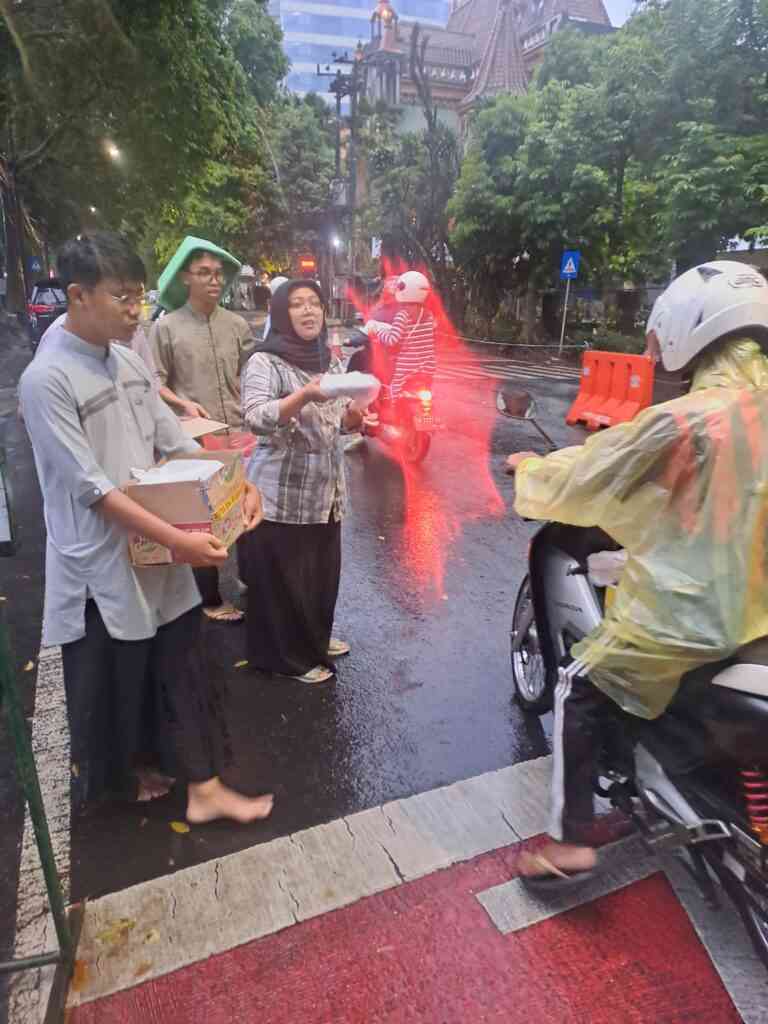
x,y
644,147
163,86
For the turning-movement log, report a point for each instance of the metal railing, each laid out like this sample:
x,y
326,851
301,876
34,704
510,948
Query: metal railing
x,y
67,923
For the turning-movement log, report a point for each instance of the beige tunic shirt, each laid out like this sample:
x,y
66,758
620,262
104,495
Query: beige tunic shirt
x,y
200,359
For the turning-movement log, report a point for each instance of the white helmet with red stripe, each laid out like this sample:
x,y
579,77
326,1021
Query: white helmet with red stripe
x,y
412,286
703,305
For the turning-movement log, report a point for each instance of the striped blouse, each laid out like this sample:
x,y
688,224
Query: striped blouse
x,y
413,334
298,466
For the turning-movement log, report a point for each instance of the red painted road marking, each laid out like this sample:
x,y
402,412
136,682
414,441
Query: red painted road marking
x,y
427,953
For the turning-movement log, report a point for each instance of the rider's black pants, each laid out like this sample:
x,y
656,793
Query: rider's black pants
x,y
581,711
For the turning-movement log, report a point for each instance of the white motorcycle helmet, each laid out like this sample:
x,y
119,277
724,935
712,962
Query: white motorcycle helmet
x,y
412,286
705,304
275,283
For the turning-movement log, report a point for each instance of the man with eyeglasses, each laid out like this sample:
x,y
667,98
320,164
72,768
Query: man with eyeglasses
x,y
199,351
94,413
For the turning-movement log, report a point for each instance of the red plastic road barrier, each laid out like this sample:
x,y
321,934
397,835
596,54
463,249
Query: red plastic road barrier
x,y
236,440
614,388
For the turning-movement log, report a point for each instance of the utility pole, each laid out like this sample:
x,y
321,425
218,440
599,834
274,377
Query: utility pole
x,y
347,83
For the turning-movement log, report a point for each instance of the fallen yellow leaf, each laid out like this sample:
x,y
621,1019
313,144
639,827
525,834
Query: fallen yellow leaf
x,y
180,826
29,666
240,664
142,969
153,935
117,931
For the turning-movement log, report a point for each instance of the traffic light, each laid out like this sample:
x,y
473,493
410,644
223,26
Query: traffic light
x,y
307,265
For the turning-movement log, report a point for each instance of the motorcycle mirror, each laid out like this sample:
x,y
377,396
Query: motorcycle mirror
x,y
517,405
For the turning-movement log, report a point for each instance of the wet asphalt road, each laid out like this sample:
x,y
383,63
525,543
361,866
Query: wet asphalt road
x,y
432,560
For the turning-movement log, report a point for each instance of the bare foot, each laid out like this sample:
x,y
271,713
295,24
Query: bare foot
x,y
566,857
152,785
210,800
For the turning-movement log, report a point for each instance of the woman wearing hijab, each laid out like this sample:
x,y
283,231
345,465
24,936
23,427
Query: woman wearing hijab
x,y
292,568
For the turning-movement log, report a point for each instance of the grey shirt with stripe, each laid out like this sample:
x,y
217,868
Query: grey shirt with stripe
x,y
299,466
93,414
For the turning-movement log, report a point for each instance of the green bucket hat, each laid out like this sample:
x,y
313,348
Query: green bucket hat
x,y
172,293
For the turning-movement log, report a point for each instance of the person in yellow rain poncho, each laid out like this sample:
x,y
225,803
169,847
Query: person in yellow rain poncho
x,y
684,489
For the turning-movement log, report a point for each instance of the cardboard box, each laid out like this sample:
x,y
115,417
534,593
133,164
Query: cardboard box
x,y
213,506
196,426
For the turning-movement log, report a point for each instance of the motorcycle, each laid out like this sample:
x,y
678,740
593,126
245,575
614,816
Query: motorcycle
x,y
408,422
695,780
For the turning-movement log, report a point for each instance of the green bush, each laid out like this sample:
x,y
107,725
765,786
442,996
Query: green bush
x,y
612,341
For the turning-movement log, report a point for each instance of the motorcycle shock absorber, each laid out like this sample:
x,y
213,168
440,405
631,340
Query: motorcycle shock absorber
x,y
754,782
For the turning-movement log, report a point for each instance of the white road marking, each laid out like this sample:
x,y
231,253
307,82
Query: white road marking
x,y
29,991
504,373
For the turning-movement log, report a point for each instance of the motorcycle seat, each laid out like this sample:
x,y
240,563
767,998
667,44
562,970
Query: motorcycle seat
x,y
744,678
716,713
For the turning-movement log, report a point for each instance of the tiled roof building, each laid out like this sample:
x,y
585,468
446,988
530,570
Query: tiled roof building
x,y
488,47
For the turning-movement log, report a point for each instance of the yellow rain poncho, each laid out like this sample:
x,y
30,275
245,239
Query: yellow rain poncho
x,y
684,488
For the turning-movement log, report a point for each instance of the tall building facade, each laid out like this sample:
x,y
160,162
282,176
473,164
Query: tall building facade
x,y
314,29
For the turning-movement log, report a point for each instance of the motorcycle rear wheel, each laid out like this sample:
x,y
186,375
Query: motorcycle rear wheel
x,y
533,687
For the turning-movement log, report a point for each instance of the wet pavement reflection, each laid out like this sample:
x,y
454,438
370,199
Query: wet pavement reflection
x,y
432,560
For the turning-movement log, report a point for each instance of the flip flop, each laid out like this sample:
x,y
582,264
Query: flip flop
x,y
224,613
556,880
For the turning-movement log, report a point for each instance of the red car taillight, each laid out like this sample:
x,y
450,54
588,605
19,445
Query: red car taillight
x,y
39,309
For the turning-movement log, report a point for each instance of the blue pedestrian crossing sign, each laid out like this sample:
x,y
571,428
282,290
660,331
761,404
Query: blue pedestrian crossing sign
x,y
569,266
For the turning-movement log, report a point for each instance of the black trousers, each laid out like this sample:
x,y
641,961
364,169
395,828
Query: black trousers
x,y
207,580
292,573
134,701
581,716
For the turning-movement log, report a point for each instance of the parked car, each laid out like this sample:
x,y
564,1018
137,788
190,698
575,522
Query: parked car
x,y
47,302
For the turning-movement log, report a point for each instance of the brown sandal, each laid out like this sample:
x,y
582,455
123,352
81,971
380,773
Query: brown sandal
x,y
224,613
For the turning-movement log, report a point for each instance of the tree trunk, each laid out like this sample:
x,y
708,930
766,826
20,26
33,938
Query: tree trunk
x,y
16,294
628,304
550,314
529,333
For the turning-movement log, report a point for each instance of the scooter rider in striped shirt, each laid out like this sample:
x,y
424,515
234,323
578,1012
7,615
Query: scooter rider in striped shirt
x,y
411,335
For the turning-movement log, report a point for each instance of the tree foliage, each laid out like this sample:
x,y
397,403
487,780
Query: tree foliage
x,y
178,86
644,148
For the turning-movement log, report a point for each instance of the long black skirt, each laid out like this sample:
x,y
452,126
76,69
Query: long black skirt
x,y
292,573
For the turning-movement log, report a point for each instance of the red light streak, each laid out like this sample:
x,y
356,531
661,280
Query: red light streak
x,y
435,509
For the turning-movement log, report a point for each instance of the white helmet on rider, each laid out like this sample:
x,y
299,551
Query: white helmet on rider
x,y
412,286
275,283
705,304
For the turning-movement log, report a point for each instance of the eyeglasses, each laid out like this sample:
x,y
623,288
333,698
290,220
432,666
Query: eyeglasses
x,y
205,274
128,300
313,305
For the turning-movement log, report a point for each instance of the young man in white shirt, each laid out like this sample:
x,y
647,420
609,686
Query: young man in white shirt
x,y
93,413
